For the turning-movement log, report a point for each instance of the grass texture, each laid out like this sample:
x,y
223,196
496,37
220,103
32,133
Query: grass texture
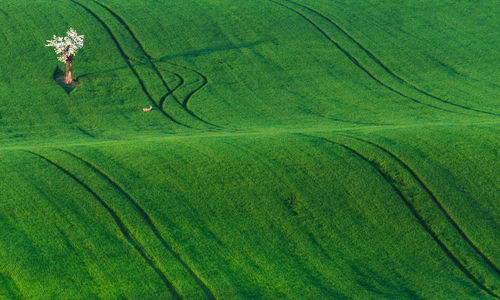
x,y
296,149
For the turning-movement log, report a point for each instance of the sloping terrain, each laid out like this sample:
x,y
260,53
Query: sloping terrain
x,y
296,149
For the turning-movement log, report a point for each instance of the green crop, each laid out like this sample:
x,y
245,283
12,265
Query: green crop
x,y
295,149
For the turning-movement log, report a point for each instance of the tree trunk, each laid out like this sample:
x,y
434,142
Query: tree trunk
x,y
69,64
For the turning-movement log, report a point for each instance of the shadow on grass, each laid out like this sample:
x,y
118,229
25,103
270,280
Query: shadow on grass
x,y
193,53
59,78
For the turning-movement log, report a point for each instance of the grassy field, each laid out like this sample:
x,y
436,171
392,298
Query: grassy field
x,y
296,149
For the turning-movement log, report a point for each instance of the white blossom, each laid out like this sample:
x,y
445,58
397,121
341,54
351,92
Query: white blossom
x,y
66,47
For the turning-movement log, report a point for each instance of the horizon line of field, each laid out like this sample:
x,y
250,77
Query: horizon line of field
x,y
241,133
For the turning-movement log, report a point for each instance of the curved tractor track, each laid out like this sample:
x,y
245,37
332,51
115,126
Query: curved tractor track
x,y
151,61
147,219
186,99
375,59
434,199
391,181
381,64
126,232
127,60
171,92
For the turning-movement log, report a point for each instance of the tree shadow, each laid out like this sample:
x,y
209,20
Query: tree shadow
x,y
59,78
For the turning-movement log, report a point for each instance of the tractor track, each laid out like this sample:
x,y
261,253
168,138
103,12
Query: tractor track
x,y
127,60
171,92
356,62
383,66
4,12
151,61
136,40
142,64
186,99
124,230
436,202
148,220
415,213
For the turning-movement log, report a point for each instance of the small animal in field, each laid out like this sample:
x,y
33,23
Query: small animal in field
x,y
147,108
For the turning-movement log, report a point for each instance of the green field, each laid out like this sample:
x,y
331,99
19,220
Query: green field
x,y
306,149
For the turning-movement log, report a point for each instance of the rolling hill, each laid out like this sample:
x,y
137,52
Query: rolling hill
x,y
307,149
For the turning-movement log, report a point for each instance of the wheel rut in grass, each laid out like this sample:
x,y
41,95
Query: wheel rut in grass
x,y
440,207
9,287
356,62
171,92
391,181
151,61
85,132
186,99
383,66
123,229
147,219
129,64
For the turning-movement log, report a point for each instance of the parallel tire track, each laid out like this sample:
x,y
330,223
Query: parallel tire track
x,y
148,220
414,212
376,60
185,101
136,40
127,60
205,82
355,61
124,230
436,201
150,59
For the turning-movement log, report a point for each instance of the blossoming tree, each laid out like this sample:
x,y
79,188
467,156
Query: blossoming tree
x,y
66,48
